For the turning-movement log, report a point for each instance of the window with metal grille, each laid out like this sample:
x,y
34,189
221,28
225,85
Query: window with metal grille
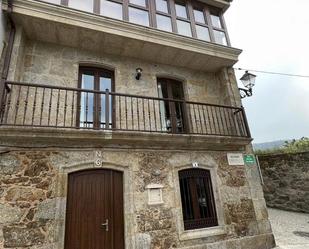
x,y
198,204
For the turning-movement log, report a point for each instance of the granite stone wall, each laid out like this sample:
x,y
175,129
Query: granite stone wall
x,y
286,181
33,199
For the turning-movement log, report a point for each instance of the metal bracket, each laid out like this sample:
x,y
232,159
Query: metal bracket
x,y
245,92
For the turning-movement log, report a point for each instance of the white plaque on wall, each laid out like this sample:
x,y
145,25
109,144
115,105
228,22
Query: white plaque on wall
x,y
235,159
154,194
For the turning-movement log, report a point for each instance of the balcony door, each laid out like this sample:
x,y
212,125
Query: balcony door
x,y
172,112
95,110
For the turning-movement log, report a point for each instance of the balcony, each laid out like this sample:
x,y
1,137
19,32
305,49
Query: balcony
x,y
45,106
68,26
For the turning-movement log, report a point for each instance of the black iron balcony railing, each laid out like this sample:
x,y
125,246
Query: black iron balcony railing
x,y
37,105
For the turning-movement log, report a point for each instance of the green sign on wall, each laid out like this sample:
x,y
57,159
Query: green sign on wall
x,y
249,159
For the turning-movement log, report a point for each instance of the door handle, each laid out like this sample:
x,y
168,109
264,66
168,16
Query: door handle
x,y
105,225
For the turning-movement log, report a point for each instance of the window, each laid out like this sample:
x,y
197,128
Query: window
x,y
198,204
85,5
92,106
53,1
164,23
182,19
181,10
139,2
172,113
218,31
138,12
200,23
189,18
138,16
111,9
216,22
163,15
184,28
162,6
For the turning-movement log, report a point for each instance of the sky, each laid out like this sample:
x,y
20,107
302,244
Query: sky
x,y
274,36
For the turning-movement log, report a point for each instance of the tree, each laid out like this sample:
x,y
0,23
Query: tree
x,y
293,146
300,145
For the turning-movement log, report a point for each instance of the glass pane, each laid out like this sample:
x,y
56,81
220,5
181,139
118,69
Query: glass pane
x,y
199,16
164,23
86,5
220,37
106,83
53,1
216,22
184,28
181,10
138,16
139,2
111,9
186,200
87,101
202,197
202,33
161,5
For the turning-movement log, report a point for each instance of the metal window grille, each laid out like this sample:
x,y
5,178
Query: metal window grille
x,y
198,204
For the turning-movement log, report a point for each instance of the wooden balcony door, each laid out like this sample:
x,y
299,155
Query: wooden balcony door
x,y
173,113
94,217
94,111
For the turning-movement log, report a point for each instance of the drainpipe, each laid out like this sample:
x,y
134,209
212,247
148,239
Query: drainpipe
x,y
8,54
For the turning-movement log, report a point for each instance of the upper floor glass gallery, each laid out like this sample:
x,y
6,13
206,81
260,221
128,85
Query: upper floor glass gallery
x,y
188,18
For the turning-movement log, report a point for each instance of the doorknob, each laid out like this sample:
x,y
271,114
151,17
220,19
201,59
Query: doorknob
x,y
105,225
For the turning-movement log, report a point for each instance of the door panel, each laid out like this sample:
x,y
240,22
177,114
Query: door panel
x,y
93,108
106,84
173,112
86,118
95,197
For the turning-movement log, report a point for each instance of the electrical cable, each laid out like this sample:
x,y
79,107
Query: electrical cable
x,y
276,73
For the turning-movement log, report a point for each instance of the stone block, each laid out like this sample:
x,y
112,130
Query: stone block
x,y
39,64
46,246
218,245
46,209
143,241
264,226
260,209
26,194
232,244
254,242
270,241
23,236
36,168
9,214
9,164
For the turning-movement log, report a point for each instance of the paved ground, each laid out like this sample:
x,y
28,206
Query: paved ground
x,y
291,229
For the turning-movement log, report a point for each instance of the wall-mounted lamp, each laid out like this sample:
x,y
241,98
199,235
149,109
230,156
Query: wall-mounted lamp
x,y
248,80
138,73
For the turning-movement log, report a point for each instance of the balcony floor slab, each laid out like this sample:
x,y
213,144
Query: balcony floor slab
x,y
31,137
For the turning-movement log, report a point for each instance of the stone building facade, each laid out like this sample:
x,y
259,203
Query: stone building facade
x,y
45,148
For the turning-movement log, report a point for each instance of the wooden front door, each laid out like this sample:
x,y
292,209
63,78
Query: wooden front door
x,y
94,217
